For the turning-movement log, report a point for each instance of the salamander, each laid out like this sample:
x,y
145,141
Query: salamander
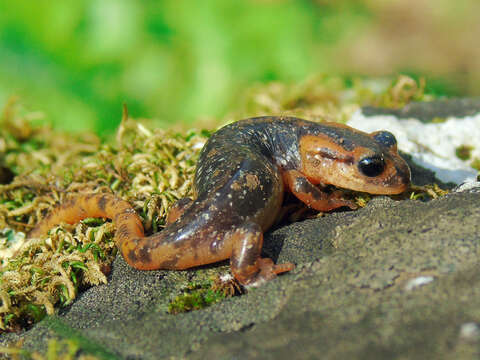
x,y
243,171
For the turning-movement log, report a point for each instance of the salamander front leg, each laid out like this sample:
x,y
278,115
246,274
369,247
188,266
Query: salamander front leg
x,y
312,196
177,209
246,264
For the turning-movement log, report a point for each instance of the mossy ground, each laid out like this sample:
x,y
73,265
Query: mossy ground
x,y
195,296
56,350
150,168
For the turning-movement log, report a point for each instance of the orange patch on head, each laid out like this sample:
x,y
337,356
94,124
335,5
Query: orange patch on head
x,y
374,168
318,155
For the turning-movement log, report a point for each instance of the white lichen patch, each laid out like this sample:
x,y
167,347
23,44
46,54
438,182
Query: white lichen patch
x,y
432,145
473,186
470,331
226,277
417,282
10,242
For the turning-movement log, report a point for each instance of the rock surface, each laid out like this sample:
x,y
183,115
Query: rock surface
x,y
396,279
427,111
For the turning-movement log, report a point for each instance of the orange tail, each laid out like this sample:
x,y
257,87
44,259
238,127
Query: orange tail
x,y
94,205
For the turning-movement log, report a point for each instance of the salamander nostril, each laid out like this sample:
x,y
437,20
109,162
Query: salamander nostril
x,y
371,166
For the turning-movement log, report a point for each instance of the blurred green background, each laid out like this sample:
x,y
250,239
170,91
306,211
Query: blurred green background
x,y
182,60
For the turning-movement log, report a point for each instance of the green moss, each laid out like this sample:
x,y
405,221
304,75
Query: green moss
x,y
463,152
56,350
426,192
475,164
328,98
438,120
149,168
196,296
395,93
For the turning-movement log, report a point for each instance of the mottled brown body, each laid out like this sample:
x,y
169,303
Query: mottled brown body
x,y
242,173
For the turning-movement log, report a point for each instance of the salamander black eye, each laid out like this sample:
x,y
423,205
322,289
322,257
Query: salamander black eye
x,y
385,138
371,166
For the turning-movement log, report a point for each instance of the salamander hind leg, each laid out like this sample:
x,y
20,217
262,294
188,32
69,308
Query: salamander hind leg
x,y
247,266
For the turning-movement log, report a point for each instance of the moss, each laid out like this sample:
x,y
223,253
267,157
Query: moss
x,y
196,296
50,272
149,168
56,350
328,98
426,192
464,152
475,164
362,199
438,120
25,148
396,94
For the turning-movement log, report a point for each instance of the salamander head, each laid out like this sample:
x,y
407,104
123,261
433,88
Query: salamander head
x,y
355,160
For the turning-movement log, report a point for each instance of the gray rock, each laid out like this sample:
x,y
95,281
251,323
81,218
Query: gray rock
x,y
347,298
427,111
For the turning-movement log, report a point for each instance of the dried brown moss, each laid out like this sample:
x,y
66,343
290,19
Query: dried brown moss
x,y
149,168
324,98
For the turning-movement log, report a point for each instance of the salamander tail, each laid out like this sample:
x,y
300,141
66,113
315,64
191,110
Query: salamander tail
x,y
80,207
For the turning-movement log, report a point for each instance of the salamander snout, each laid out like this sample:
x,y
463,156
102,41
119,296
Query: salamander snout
x,y
395,175
399,182
381,168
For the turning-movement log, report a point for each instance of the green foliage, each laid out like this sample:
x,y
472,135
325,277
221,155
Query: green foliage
x,y
476,165
56,350
35,274
464,152
44,275
169,59
426,192
180,60
196,296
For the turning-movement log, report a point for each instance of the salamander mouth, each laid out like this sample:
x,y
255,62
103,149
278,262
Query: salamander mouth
x,y
395,184
401,179
391,185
